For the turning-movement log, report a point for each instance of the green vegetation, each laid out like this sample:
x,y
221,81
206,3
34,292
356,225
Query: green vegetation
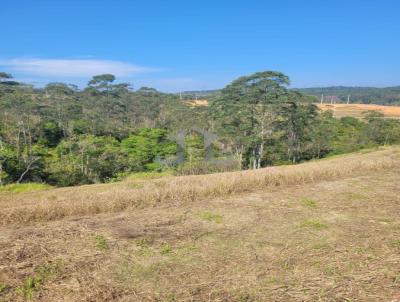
x,y
101,243
314,224
33,283
2,286
329,270
396,243
165,249
208,216
63,136
309,203
24,187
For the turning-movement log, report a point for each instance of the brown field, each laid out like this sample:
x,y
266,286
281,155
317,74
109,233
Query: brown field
x,y
357,110
326,230
339,110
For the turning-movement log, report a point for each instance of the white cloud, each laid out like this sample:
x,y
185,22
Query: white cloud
x,y
72,67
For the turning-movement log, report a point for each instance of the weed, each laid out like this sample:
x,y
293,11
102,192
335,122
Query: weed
x,y
2,286
32,284
309,203
166,249
208,216
27,289
143,242
144,248
101,243
314,224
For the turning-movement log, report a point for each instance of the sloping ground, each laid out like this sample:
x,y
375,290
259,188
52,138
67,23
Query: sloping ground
x,y
296,234
357,110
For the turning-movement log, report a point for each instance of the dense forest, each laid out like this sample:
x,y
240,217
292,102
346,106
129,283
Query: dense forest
x,y
65,136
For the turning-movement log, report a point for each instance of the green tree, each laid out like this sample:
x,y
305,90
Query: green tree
x,y
147,145
247,109
297,123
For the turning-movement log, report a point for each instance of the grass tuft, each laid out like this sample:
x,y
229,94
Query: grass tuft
x,y
101,243
309,203
314,224
209,216
165,249
33,283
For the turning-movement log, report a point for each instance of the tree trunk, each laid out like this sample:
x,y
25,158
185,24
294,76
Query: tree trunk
x,y
260,154
28,168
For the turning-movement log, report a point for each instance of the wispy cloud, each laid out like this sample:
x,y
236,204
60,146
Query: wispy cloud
x,y
72,67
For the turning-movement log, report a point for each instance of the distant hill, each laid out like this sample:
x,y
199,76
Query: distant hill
x,y
362,95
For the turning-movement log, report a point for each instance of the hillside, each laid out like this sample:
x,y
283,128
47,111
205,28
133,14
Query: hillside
x,y
62,135
325,230
364,95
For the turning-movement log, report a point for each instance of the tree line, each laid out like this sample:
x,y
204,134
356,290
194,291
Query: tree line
x,y
65,136
363,95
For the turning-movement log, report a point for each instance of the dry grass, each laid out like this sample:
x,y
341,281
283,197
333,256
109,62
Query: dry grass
x,y
59,203
322,231
197,103
357,110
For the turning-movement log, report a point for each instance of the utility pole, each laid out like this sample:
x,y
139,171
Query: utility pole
x,y
322,98
348,99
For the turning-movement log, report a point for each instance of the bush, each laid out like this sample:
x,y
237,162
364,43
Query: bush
x,y
207,167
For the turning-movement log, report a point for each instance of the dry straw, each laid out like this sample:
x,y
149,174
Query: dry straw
x,y
169,191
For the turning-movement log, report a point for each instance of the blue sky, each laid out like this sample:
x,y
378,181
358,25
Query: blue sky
x,y
184,45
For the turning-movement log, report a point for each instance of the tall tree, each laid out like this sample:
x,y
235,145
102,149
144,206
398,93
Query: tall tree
x,y
247,108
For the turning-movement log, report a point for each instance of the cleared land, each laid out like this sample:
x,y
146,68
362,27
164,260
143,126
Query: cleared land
x,y
197,103
339,110
322,231
357,110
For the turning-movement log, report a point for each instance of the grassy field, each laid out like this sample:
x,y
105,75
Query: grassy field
x,y
327,230
357,110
